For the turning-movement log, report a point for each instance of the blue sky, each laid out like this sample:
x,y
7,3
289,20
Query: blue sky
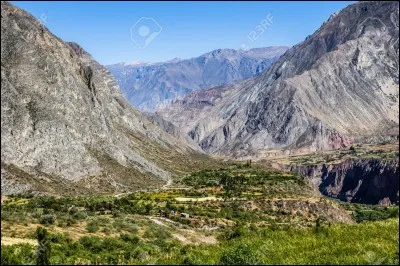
x,y
181,29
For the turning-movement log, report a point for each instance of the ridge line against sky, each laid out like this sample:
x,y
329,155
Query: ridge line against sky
x,y
114,32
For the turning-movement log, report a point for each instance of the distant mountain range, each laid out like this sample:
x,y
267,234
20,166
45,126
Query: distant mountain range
x,y
339,86
150,86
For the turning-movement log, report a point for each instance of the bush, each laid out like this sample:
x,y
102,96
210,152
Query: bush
x,y
116,213
192,259
241,254
235,232
19,254
92,227
130,238
92,243
80,215
47,219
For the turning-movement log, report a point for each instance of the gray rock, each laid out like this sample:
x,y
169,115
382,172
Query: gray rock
x,y
340,85
151,86
368,181
64,120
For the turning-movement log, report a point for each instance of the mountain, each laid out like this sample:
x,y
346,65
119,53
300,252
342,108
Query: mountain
x,y
66,127
150,86
339,86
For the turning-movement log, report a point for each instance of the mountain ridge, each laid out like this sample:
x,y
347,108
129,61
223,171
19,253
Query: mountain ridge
x,y
296,103
65,125
152,85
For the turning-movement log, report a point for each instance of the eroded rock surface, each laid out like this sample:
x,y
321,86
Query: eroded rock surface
x,y
369,181
65,125
338,86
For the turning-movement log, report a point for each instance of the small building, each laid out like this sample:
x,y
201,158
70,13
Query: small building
x,y
185,215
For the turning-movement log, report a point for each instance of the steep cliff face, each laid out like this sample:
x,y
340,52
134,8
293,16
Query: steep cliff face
x,y
369,181
150,86
336,87
171,129
65,126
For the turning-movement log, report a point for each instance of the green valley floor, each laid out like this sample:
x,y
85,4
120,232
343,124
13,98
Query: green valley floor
x,y
239,214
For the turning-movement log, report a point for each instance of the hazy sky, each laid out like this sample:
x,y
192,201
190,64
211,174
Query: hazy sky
x,y
178,29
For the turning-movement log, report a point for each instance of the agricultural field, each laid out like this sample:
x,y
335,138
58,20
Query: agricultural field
x,y
239,214
388,150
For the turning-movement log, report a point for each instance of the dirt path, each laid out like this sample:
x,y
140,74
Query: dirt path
x,y
186,236
157,221
164,187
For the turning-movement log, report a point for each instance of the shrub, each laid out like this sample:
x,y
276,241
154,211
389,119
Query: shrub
x,y
80,215
47,219
130,238
92,227
235,232
192,259
92,243
106,230
19,254
116,213
242,254
73,210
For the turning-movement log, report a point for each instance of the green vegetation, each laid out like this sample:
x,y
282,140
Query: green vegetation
x,y
43,250
363,212
382,151
366,243
240,214
244,178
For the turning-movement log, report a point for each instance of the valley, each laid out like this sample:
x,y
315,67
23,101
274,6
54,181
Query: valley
x,y
242,214
274,155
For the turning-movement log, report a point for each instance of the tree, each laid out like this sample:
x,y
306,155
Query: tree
x,y
318,224
232,184
248,163
44,249
148,207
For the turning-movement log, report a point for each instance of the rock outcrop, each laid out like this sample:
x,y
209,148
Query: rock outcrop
x,y
338,86
369,181
65,125
150,86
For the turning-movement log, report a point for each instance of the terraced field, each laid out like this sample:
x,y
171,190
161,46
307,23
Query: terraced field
x,y
243,213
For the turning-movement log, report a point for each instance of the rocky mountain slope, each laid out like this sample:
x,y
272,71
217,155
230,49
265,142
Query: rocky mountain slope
x,y
65,125
149,86
338,86
364,173
369,181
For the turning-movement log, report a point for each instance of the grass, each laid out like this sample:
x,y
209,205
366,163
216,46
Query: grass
x,y
364,212
365,243
262,216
